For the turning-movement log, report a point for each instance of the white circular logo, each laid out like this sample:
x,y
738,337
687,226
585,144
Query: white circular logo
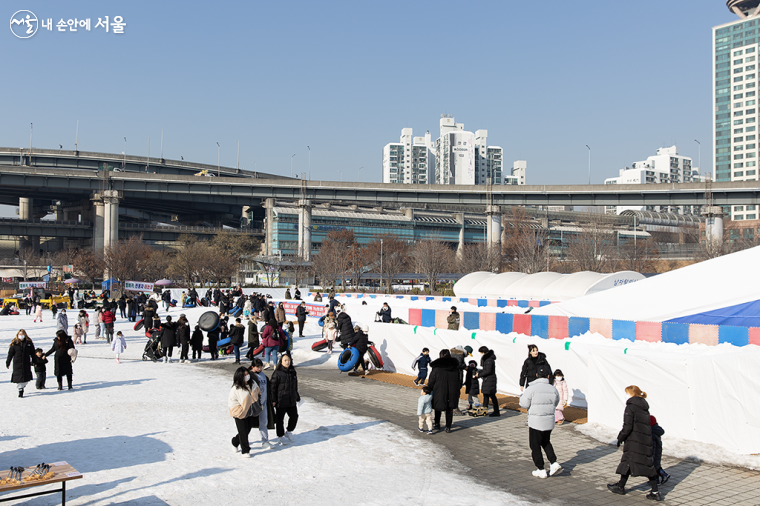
x,y
24,24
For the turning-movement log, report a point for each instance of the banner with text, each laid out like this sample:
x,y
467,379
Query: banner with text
x,y
23,285
138,286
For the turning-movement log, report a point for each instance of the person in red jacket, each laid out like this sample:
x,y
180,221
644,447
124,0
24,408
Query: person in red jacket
x,y
108,319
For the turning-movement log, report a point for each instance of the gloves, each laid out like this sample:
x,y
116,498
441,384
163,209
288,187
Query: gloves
x,y
619,443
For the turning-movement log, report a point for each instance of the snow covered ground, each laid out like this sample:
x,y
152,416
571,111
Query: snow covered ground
x,y
152,433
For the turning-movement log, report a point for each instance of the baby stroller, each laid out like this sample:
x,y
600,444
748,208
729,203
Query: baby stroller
x,y
152,349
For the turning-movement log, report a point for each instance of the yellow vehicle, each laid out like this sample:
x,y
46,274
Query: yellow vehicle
x,y
56,299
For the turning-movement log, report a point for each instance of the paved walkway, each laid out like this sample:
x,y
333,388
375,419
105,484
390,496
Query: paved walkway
x,y
496,451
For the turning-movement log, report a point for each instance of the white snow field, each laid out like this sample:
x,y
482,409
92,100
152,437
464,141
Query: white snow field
x,y
149,433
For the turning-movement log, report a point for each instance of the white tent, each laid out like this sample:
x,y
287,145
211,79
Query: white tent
x,y
532,286
463,287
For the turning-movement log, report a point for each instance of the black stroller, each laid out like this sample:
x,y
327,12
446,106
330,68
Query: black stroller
x,y
152,349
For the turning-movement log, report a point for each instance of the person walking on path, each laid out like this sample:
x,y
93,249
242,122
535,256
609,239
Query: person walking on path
x,y
244,395
109,317
453,319
253,334
285,398
61,358
40,368
84,322
421,363
196,341
118,345
270,338
636,438
20,352
301,313
237,332
38,313
100,330
541,399
445,382
530,366
78,333
425,410
265,422
657,433
279,314
62,322
471,384
488,375
561,385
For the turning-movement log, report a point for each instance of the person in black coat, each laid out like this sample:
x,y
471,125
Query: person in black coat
x,y
20,352
636,438
488,375
530,366
360,341
285,398
301,313
122,303
196,342
385,313
168,338
445,382
61,346
345,328
131,309
183,335
213,338
237,333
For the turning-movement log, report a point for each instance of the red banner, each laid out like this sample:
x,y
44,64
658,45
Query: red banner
x,y
315,310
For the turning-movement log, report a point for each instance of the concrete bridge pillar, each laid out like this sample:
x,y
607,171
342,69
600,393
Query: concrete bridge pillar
x,y
269,239
110,218
98,216
460,247
493,219
713,225
304,229
26,212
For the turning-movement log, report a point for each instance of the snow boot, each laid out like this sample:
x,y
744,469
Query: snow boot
x,y
615,488
654,496
21,393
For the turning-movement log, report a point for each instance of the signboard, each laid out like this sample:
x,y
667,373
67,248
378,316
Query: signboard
x,y
313,309
23,285
138,286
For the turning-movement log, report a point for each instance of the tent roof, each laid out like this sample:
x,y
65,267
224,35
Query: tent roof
x,y
739,315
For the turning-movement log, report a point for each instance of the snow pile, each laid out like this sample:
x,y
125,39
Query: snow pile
x,y
157,433
712,284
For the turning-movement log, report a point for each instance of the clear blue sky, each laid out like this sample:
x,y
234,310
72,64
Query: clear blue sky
x,y
346,77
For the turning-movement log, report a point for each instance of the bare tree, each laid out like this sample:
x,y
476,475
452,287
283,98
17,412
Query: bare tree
x,y
388,258
89,264
184,264
157,266
432,257
526,247
479,256
235,245
593,247
639,255
333,258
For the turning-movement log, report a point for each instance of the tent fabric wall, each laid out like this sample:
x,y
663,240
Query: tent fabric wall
x,y
739,315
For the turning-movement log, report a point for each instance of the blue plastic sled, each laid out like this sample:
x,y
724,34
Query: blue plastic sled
x,y
222,342
348,359
235,311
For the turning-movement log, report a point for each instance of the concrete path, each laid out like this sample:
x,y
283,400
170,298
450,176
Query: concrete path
x,y
495,451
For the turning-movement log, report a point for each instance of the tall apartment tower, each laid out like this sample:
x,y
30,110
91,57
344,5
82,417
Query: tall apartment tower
x,y
735,47
456,157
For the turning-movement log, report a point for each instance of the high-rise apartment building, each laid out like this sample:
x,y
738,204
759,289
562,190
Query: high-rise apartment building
x,y
667,166
735,47
456,157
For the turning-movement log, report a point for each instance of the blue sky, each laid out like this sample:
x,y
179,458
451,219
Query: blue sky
x,y
346,77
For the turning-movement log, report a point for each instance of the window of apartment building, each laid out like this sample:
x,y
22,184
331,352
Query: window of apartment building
x,y
738,122
726,141
750,129
739,174
738,79
738,165
738,87
750,173
738,208
738,130
738,70
750,85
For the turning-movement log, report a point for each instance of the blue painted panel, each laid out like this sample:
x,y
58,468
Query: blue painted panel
x,y
414,297
544,303
501,303
482,302
738,336
677,333
577,326
622,329
471,321
428,318
539,326
504,322
446,299
523,303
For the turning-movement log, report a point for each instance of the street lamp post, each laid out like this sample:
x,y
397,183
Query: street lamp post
x,y
124,164
589,164
147,167
238,156
381,266
309,162
359,177
700,155
218,158
291,164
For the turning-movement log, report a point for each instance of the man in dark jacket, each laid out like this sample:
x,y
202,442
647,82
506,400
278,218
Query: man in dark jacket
x,y
333,302
445,382
345,328
488,375
297,294
360,341
530,367
301,313
168,338
237,332
267,313
385,313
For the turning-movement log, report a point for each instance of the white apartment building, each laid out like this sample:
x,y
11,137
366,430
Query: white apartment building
x,y
519,169
667,166
408,161
456,157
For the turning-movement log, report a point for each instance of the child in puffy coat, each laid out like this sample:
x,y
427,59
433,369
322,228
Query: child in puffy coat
x,y
657,433
472,384
561,385
118,345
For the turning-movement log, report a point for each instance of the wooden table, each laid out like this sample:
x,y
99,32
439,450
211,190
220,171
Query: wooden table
x,y
63,473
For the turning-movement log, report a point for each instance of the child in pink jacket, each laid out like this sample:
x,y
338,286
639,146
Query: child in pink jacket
x,y
561,385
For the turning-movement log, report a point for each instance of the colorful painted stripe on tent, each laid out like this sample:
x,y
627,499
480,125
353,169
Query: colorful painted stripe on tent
x,y
480,302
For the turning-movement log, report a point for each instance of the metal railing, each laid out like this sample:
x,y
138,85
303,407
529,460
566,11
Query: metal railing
x,y
189,229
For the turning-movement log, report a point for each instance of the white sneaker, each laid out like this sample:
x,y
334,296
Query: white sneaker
x,y
237,449
283,441
246,455
266,445
539,473
554,469
289,435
